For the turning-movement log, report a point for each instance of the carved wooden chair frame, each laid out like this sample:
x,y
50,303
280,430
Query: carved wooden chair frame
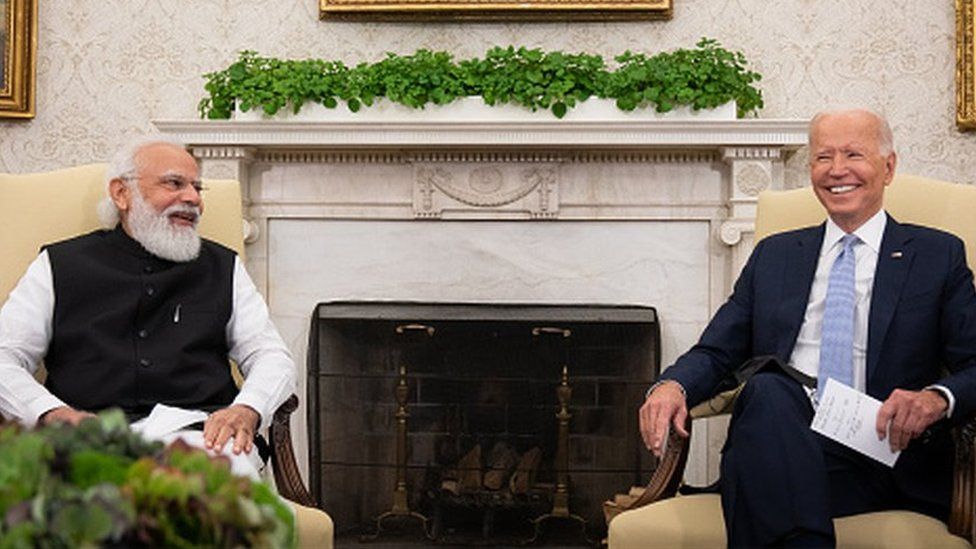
x,y
287,477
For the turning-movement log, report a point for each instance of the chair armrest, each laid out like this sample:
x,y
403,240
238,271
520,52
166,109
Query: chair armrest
x,y
670,470
283,463
664,481
961,514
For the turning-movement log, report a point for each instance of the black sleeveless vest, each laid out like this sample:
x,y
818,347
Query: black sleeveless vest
x,y
132,330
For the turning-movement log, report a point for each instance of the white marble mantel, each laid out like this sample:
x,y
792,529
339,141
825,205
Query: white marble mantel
x,y
751,151
780,134
656,212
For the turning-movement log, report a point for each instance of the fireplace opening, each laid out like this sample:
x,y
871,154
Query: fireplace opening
x,y
478,423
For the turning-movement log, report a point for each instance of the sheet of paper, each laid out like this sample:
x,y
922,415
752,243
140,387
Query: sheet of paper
x,y
164,420
848,416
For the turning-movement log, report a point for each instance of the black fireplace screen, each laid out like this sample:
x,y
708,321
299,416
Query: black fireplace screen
x,y
441,411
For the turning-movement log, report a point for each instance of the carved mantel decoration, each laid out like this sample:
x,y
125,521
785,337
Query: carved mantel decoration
x,y
507,185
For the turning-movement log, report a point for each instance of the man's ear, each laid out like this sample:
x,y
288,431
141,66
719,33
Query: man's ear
x,y
120,194
890,162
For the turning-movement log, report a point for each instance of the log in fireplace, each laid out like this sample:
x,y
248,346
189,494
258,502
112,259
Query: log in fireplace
x,y
476,421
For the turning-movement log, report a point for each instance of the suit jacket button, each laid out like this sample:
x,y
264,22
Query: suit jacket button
x,y
150,291
145,362
143,334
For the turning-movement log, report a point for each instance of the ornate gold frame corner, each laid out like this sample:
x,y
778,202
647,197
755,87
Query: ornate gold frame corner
x,y
494,10
19,65
965,65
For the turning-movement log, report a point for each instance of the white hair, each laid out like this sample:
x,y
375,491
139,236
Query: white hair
x,y
886,139
124,166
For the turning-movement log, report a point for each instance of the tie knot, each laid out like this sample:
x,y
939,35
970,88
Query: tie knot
x,y
848,241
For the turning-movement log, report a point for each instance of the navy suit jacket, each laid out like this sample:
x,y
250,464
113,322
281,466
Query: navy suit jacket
x,y
921,330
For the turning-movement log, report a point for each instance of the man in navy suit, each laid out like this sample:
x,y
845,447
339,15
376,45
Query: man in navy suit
x,y
914,348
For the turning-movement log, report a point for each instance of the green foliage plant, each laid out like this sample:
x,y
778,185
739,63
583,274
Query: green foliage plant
x,y
534,79
99,484
271,84
411,80
702,77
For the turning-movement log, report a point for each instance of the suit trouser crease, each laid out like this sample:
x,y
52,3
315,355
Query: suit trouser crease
x,y
770,447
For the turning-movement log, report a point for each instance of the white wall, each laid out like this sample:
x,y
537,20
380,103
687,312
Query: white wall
x,y
108,67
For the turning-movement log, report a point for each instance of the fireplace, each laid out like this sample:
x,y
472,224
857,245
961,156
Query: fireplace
x,y
654,213
499,378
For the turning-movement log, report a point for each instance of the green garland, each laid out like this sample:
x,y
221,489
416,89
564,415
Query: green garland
x,y
703,77
101,484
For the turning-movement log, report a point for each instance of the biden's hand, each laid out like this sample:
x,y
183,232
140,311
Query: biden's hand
x,y
907,414
665,406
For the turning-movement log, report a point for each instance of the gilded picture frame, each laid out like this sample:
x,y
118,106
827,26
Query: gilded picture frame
x,y
965,65
18,45
494,10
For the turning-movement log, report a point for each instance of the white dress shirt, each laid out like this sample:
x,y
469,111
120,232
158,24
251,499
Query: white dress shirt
x,y
25,331
806,352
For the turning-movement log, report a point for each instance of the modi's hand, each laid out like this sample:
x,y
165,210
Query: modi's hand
x,y
907,414
64,414
665,406
237,421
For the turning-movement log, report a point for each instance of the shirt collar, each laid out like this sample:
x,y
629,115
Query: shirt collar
x,y
870,233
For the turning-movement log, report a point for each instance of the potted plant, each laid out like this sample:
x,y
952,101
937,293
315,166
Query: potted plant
x,y
700,78
101,484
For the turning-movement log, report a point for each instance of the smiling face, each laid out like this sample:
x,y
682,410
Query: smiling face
x,y
848,168
160,204
167,176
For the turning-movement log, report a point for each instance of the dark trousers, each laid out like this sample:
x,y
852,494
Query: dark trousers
x,y
782,483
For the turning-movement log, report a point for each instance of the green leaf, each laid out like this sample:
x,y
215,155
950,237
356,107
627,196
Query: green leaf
x,y
78,523
91,467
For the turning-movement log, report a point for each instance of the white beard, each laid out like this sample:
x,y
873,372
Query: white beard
x,y
157,235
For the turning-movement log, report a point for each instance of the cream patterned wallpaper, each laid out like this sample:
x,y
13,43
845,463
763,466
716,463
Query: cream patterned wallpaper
x,y
106,68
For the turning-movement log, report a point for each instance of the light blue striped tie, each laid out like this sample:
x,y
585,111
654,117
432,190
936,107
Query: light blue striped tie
x,y
837,339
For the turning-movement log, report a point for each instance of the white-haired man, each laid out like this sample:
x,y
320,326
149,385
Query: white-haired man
x,y
885,307
144,313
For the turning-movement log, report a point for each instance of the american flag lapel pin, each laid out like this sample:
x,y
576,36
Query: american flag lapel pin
x,y
896,255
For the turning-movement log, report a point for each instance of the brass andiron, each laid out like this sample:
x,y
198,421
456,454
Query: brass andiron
x,y
560,503
415,334
564,393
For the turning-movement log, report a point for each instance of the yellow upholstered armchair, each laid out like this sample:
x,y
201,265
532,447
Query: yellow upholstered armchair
x,y
653,516
37,209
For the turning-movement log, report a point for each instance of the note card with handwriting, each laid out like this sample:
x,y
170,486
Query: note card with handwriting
x,y
848,416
